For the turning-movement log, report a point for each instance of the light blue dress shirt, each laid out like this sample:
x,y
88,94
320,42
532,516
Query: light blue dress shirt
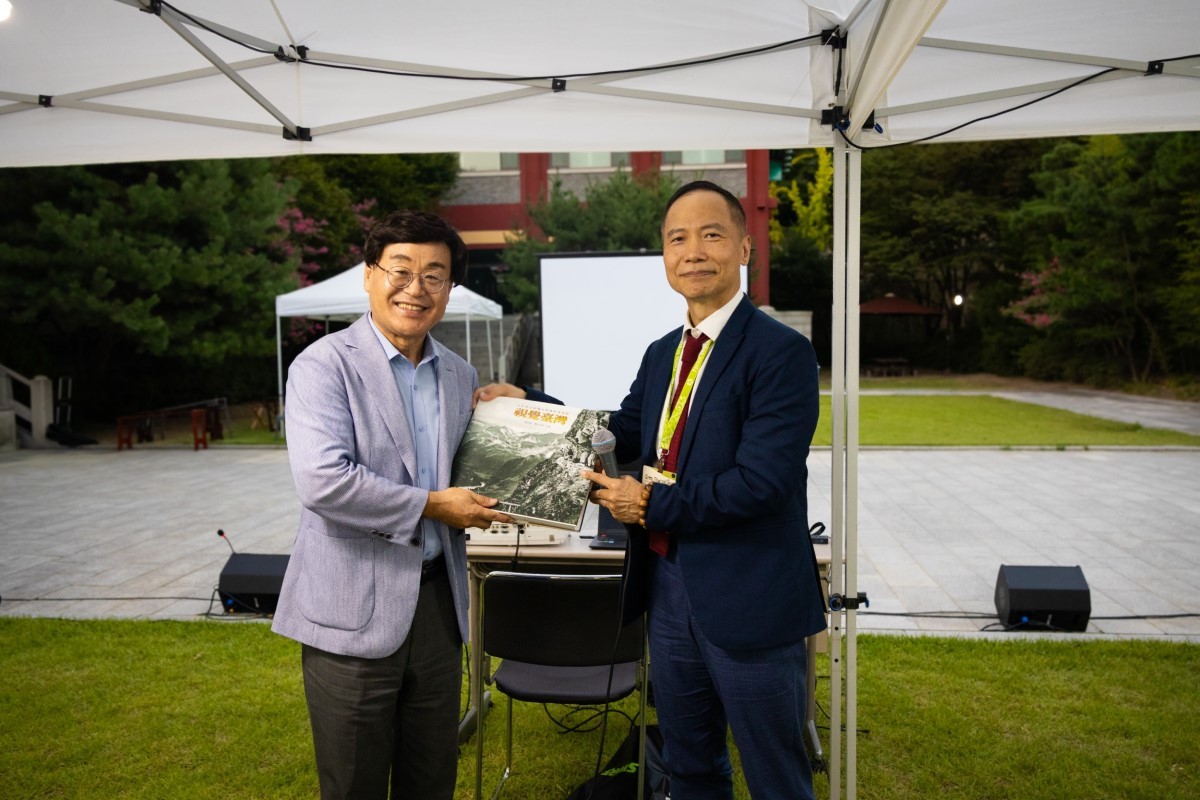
x,y
419,392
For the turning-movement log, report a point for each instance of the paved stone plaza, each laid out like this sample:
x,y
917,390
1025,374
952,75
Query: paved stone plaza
x,y
100,533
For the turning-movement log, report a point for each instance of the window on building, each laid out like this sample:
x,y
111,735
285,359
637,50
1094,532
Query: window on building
x,y
494,162
595,159
592,160
696,157
487,162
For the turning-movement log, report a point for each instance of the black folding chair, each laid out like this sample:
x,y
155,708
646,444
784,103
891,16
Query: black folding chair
x,y
561,641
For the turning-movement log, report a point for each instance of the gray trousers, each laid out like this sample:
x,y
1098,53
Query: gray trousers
x,y
376,720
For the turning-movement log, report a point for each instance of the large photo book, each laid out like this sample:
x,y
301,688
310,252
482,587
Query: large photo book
x,y
528,455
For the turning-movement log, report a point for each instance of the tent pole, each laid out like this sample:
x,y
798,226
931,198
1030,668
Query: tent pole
x,y
279,360
853,207
491,363
837,465
503,353
847,173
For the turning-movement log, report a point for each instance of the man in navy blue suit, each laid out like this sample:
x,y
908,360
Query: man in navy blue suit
x,y
731,588
719,552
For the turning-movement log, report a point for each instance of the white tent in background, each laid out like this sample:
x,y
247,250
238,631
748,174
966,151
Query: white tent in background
x,y
342,297
139,80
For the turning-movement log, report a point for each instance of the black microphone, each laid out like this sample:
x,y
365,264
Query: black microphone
x,y
604,443
221,533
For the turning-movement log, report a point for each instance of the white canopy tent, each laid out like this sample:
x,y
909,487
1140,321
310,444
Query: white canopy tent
x,y
133,80
342,297
136,80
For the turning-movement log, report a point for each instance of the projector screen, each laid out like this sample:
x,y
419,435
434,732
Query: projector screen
x,y
599,313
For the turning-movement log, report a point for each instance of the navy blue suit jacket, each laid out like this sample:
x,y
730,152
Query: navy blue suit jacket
x,y
738,512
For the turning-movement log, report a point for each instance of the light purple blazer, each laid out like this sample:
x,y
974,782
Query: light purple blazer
x,y
352,582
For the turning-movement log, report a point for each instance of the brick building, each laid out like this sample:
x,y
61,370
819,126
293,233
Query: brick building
x,y
494,189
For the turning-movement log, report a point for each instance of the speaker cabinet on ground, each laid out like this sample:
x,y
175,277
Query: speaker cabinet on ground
x,y
1054,596
250,583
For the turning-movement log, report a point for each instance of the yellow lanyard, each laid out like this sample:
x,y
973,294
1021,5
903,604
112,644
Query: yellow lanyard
x,y
685,394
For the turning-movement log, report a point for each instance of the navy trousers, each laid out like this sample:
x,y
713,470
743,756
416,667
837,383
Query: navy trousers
x,y
700,690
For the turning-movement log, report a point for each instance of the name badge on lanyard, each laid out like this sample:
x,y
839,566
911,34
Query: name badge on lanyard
x,y
681,401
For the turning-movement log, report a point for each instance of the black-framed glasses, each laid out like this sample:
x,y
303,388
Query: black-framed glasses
x,y
400,278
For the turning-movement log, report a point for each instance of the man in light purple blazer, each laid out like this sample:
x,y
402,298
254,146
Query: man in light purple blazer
x,y
376,588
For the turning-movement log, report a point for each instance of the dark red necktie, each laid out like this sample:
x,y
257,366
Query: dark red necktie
x,y
691,349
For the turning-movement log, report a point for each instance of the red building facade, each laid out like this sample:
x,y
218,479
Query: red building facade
x,y
495,189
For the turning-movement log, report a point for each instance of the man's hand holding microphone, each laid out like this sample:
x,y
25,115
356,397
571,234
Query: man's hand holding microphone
x,y
624,497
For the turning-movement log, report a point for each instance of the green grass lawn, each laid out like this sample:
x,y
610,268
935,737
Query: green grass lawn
x,y
982,420
930,420
245,435
886,420
136,709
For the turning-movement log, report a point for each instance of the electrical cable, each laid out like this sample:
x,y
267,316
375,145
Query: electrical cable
x,y
71,599
986,615
215,32
467,705
837,79
1184,615
1176,58
867,613
612,667
527,78
1029,624
933,614
279,53
500,79
595,712
629,70
837,87
517,549
863,731
948,131
254,613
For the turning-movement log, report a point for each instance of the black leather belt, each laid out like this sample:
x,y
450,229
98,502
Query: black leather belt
x,y
433,567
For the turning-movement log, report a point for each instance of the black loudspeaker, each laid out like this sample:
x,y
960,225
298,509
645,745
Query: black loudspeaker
x,y
1054,596
250,583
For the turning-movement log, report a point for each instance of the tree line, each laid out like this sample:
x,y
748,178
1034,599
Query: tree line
x,y
1073,259
153,284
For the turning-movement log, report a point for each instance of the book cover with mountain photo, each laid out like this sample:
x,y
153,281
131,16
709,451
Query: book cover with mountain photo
x,y
528,455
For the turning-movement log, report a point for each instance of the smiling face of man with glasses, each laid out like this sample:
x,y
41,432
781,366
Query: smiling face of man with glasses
x,y
409,288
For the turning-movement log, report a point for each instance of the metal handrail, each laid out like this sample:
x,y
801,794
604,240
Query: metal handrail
x,y
7,374
40,412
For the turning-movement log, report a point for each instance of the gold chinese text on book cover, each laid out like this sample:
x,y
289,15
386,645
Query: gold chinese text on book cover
x,y
528,456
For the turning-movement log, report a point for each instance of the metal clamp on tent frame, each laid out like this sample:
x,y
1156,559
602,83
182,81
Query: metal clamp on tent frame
x,y
839,602
835,117
301,51
838,118
833,37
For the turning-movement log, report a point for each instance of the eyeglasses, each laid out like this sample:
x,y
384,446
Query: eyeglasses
x,y
400,278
